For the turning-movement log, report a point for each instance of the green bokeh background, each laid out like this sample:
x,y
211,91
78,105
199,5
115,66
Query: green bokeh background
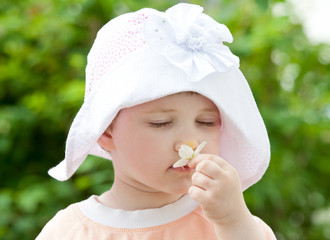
x,y
43,49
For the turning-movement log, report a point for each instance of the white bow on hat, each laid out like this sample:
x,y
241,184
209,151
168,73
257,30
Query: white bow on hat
x,y
191,41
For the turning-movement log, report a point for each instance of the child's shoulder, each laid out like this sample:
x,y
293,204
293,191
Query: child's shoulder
x,y
64,222
268,232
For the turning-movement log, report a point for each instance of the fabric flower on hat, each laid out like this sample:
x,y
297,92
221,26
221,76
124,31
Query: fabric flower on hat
x,y
191,40
186,153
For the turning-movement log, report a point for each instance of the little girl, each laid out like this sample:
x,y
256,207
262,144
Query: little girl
x,y
166,102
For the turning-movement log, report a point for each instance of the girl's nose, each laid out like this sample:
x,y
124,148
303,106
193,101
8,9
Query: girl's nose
x,y
193,143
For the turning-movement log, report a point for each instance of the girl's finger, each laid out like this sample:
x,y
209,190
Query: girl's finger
x,y
214,158
202,181
209,168
198,194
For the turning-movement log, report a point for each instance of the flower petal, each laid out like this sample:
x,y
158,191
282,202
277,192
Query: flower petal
x,y
182,15
221,57
201,67
159,33
180,57
185,151
181,163
199,148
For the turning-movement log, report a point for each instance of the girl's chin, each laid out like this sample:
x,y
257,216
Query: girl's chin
x,y
181,191
181,188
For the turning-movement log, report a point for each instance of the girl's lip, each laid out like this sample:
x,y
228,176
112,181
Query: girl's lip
x,y
181,169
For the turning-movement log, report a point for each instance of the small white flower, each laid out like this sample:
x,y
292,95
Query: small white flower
x,y
187,153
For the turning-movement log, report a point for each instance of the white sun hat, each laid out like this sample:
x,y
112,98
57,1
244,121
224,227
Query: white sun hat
x,y
141,56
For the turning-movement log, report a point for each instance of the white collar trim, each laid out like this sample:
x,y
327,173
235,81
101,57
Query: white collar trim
x,y
119,218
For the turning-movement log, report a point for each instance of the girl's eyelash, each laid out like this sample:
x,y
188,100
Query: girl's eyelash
x,y
207,124
159,124
165,124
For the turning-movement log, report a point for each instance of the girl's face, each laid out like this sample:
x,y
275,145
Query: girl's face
x,y
146,139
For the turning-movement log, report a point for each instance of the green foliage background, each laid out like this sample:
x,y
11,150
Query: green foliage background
x,y
43,49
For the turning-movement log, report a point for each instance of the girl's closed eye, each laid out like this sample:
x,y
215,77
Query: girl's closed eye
x,y
157,124
206,123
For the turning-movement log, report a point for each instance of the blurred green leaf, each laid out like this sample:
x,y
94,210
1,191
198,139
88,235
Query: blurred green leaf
x,y
263,4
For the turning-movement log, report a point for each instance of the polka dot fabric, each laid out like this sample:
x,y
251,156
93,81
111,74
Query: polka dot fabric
x,y
113,43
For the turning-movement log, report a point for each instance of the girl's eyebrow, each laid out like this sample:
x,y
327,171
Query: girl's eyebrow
x,y
210,110
160,111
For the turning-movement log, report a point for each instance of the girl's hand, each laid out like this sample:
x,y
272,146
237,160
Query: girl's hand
x,y
216,186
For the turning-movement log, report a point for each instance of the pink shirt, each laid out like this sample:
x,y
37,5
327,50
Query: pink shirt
x,y
91,220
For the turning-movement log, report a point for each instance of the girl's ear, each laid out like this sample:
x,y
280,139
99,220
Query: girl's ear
x,y
106,141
